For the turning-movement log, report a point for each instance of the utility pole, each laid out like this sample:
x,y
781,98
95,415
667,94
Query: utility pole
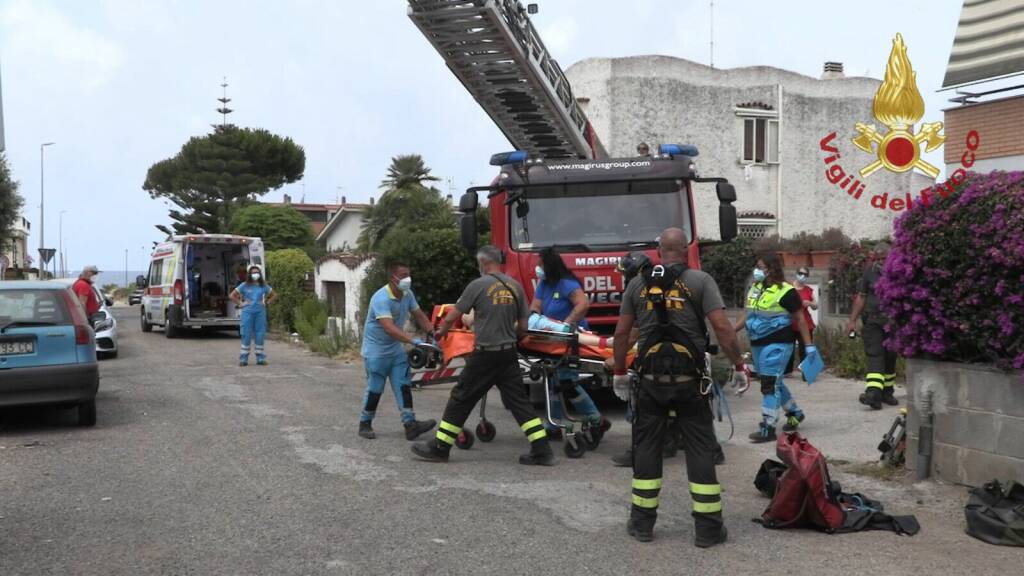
x,y
42,208
60,243
125,267
712,33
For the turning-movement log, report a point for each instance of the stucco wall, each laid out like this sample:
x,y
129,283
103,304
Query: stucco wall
x,y
345,234
351,271
660,99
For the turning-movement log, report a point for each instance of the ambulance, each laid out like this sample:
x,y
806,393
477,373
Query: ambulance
x,y
190,278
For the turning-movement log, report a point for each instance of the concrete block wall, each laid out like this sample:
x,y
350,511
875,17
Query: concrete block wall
x,y
978,424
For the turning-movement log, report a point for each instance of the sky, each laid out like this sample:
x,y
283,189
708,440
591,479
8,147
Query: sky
x,y
121,84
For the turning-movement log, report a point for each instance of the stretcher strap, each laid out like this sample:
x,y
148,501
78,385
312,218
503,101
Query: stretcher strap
x,y
720,407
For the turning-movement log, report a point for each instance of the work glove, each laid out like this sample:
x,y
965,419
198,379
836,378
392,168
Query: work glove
x,y
741,378
417,342
620,385
810,350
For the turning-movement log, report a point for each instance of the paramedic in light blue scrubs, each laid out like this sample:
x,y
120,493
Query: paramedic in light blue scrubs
x,y
383,355
560,296
252,297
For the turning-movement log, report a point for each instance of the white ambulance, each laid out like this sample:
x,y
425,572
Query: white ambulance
x,y
190,278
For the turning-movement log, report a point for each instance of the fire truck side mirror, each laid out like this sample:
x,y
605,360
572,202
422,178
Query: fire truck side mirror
x,y
726,192
727,221
468,203
467,229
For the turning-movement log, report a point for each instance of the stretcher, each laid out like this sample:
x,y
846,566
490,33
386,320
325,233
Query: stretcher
x,y
542,353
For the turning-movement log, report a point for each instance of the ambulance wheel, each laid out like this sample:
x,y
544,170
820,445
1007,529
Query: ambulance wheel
x,y
574,447
465,439
486,431
146,326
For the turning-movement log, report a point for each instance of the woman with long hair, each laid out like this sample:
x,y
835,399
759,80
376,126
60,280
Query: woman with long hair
x,y
252,297
773,305
559,295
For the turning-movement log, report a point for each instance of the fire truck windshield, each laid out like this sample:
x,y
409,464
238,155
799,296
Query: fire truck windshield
x,y
598,216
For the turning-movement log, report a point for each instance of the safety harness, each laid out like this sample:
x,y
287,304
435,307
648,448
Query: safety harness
x,y
669,353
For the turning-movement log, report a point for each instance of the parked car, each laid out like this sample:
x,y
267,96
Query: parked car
x,y
47,349
136,297
103,323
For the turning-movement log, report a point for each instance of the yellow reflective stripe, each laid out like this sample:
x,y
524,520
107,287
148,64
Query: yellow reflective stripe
x,y
706,489
873,384
537,435
769,300
707,507
449,427
641,484
445,438
530,424
648,502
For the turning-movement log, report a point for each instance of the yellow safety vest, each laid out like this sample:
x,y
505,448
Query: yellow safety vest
x,y
767,301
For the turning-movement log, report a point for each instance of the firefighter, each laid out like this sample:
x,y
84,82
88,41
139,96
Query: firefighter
x,y
773,305
668,304
500,319
881,376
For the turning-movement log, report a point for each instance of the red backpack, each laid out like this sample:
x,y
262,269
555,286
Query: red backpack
x,y
804,495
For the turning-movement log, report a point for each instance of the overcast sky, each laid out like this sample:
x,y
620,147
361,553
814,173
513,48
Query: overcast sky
x,y
121,84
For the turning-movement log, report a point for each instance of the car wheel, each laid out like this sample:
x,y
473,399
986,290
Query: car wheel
x,y
111,355
146,326
169,330
87,413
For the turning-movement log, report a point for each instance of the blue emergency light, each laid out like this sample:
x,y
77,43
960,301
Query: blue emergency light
x,y
678,150
502,158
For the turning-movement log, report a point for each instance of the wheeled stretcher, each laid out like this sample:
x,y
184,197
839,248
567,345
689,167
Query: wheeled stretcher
x,y
542,353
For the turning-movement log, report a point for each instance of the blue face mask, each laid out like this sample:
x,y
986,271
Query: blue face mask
x,y
539,272
801,277
759,275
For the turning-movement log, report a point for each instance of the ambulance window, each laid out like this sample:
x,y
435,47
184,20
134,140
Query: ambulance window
x,y
156,273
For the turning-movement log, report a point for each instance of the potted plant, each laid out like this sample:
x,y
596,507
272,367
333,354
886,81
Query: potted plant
x,y
830,241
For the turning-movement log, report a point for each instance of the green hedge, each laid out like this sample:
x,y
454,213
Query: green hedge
x,y
286,272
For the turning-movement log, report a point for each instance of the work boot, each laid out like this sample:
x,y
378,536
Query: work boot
x,y
540,454
708,538
793,420
624,460
430,451
765,433
366,430
872,397
642,530
416,427
889,396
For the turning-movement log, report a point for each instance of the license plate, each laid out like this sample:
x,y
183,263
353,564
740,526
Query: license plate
x,y
17,347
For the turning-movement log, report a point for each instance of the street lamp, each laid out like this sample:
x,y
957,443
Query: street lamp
x,y
60,243
42,204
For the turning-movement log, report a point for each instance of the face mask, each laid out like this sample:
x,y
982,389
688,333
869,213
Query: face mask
x,y
801,277
540,272
405,283
759,275
255,276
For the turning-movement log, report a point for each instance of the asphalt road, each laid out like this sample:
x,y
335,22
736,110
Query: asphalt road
x,y
198,466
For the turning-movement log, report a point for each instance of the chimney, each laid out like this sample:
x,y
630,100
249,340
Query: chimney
x,y
832,71
287,199
343,200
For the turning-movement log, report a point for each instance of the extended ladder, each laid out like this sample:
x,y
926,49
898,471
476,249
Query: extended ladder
x,y
493,49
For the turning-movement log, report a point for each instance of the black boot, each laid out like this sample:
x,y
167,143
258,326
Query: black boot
x,y
430,451
416,427
366,430
706,538
872,397
889,396
793,421
624,460
765,433
641,529
540,454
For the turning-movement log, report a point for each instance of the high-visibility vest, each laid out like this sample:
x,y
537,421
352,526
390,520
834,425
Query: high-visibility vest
x,y
765,314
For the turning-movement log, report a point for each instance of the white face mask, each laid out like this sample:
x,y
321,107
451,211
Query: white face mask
x,y
759,275
255,276
405,283
801,277
539,272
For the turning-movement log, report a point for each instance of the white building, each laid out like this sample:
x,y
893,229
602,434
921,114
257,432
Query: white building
x,y
760,127
16,250
339,275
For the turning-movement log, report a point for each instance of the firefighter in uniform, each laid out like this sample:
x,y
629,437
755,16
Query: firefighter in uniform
x,y
500,318
881,376
668,304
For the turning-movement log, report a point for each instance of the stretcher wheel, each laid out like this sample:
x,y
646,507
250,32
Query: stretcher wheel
x,y
465,440
574,447
592,437
486,431
417,358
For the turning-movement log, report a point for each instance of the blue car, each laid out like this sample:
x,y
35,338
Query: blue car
x,y
47,349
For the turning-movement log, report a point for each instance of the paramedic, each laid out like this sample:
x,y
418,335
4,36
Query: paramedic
x,y
500,319
773,305
253,296
668,304
559,296
383,355
881,374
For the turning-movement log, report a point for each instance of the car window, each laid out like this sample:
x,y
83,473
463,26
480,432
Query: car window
x,y
35,306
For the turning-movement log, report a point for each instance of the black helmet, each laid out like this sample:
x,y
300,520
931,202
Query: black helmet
x,y
631,264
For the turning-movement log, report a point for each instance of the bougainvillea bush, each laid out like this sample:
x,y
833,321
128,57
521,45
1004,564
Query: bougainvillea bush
x,y
953,285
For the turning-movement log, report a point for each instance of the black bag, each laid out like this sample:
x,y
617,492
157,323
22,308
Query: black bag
x,y
995,513
768,477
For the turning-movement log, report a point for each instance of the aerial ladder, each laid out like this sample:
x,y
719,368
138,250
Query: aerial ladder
x,y
494,50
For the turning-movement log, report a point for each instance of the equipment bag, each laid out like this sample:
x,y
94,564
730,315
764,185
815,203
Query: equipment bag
x,y
767,479
995,513
806,463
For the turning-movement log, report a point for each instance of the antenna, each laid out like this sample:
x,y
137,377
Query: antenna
x,y
223,109
712,33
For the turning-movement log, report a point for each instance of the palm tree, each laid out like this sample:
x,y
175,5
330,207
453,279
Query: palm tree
x,y
407,170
